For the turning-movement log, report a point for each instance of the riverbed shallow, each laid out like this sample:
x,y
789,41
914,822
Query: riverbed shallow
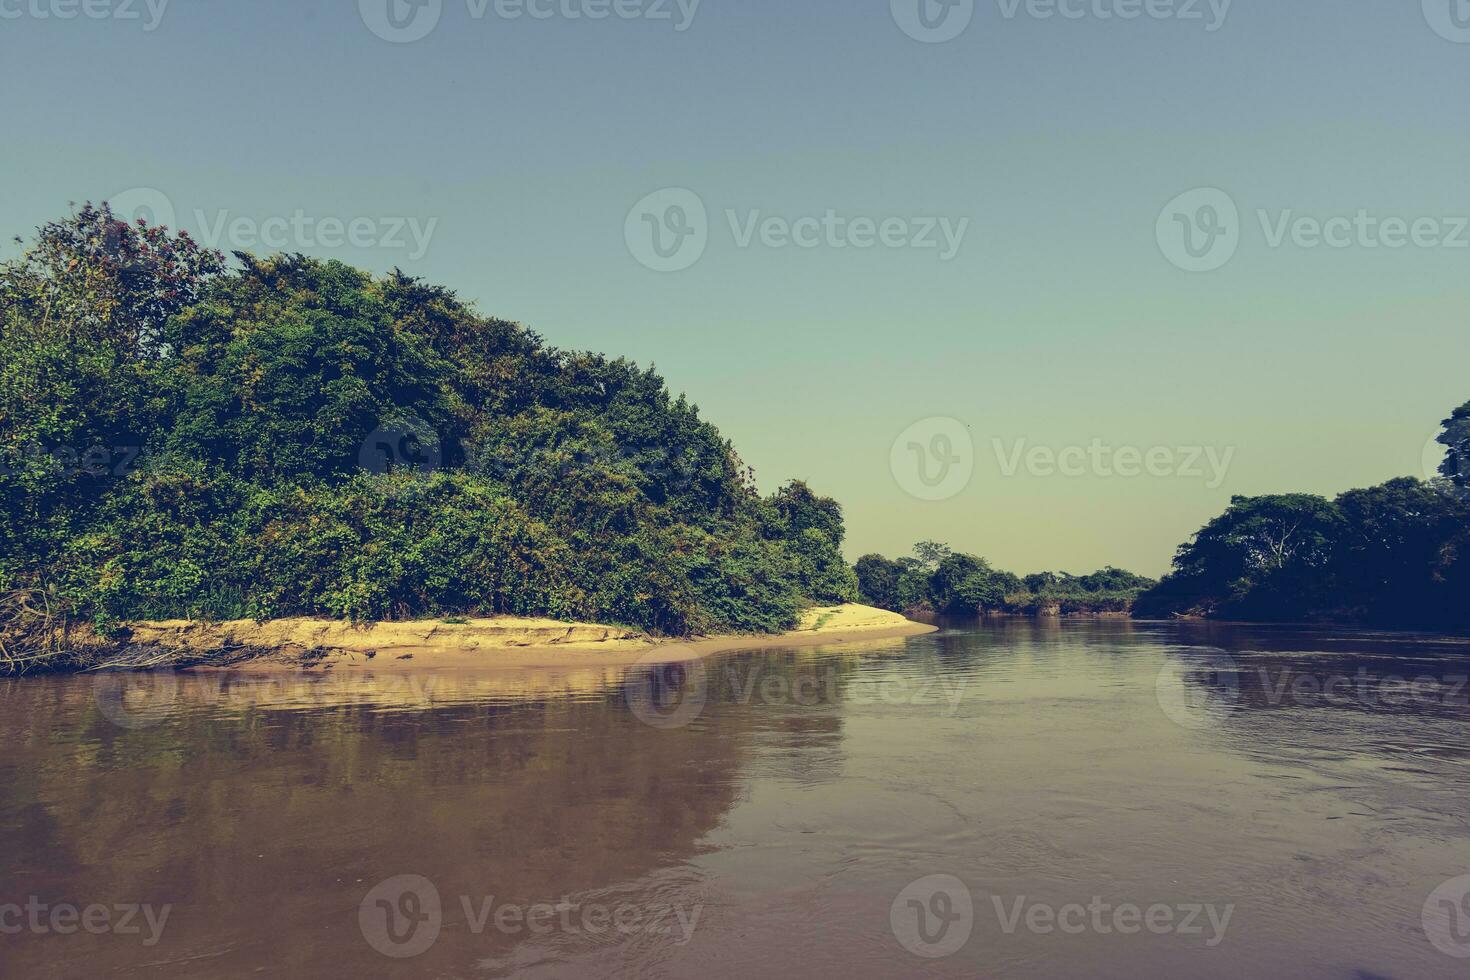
x,y
1016,798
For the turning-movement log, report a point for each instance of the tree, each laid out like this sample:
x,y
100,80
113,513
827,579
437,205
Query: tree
x,y
1401,543
878,579
1397,554
1455,467
939,580
930,554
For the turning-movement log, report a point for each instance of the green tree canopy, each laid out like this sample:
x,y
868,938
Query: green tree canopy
x,y
181,437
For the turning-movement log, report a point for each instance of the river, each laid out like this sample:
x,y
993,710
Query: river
x,y
1012,799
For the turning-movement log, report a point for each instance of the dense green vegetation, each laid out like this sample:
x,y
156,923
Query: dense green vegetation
x,y
1391,555
938,580
185,437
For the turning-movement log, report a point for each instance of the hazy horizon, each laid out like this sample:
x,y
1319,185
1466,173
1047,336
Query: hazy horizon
x,y
518,160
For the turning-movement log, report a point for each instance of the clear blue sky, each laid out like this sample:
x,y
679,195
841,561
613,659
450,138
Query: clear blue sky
x,y
1059,319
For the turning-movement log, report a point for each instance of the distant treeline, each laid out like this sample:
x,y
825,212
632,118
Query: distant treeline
x,y
1394,555
185,437
937,580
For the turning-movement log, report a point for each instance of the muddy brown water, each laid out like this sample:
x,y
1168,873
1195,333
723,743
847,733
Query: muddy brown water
x,y
1022,799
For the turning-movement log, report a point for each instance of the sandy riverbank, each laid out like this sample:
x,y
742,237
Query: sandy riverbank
x,y
504,641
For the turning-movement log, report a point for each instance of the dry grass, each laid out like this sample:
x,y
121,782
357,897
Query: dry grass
x,y
35,631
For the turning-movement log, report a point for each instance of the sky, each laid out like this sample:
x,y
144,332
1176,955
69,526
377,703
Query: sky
x,y
1049,280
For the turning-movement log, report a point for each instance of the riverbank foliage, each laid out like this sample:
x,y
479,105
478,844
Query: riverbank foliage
x,y
185,437
937,580
1392,555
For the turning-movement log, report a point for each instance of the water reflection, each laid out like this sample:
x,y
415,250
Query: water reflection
x,y
761,812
